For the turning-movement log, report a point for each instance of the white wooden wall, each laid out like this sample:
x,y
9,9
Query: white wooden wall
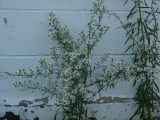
x,y
24,40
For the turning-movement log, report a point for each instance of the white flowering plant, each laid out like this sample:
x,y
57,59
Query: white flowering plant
x,y
71,65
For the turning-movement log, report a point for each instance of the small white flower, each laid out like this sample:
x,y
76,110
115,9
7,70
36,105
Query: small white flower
x,y
72,97
60,91
109,53
88,42
65,88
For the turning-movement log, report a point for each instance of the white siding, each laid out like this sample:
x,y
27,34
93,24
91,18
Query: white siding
x,y
24,40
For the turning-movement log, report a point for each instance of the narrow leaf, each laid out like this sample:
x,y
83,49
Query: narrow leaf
x,y
146,32
131,12
128,47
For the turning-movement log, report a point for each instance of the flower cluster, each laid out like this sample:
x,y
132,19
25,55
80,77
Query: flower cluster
x,y
72,67
145,73
67,95
23,72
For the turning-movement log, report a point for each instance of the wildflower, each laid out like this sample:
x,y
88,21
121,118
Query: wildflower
x,y
115,81
88,42
157,72
50,64
60,91
72,97
65,88
109,53
102,78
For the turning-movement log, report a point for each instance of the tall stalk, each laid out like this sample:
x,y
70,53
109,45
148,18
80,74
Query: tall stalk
x,y
143,36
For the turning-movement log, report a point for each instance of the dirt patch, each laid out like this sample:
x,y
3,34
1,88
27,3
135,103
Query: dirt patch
x,y
10,116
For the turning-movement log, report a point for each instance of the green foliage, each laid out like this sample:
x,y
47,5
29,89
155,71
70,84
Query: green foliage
x,y
142,35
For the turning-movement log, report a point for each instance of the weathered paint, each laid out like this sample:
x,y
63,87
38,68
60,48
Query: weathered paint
x,y
44,100
113,100
5,21
25,103
24,40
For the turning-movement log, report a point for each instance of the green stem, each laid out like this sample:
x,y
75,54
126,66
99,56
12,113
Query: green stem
x,y
143,60
141,20
148,82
